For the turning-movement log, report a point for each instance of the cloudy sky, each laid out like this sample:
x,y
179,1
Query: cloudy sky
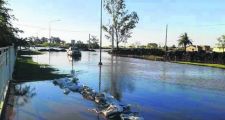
x,y
203,20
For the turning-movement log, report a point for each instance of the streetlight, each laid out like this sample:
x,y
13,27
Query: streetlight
x,y
49,23
100,62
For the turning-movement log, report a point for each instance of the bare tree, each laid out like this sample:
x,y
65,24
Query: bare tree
x,y
122,21
94,42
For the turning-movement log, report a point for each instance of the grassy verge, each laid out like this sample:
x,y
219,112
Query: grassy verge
x,y
28,70
153,57
203,64
145,57
22,52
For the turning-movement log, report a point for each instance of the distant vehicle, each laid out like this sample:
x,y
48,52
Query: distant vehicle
x,y
74,51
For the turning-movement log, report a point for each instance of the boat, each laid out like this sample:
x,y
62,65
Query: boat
x,y
74,52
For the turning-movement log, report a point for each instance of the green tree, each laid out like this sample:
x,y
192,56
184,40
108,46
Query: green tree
x,y
56,40
8,34
152,45
122,21
22,42
79,44
184,41
221,42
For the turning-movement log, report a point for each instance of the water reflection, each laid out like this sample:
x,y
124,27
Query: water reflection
x,y
100,79
115,90
24,94
99,84
118,82
73,59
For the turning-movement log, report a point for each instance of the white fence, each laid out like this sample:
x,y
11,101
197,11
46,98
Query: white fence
x,y
7,61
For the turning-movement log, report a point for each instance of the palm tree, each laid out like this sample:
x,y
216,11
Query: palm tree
x,y
184,41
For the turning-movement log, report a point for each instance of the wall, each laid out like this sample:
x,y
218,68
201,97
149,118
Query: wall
x,y
7,61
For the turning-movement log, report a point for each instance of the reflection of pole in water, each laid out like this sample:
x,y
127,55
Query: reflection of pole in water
x,y
72,71
100,78
72,63
89,57
71,59
115,87
99,86
164,71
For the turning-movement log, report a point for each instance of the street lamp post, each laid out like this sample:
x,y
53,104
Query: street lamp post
x,y
100,62
50,22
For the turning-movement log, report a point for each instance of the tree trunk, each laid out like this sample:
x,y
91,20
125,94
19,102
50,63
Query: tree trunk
x,y
117,40
117,45
112,39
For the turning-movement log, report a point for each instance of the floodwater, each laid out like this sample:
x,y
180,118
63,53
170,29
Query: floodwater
x,y
157,90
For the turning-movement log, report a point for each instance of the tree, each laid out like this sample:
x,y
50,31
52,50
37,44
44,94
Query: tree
x,y
122,21
79,44
184,41
221,42
55,40
173,46
44,39
8,34
152,45
109,29
22,42
94,42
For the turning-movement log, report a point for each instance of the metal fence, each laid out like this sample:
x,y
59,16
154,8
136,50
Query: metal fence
x,y
7,61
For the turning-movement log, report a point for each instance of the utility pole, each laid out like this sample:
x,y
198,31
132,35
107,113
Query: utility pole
x,y
166,38
166,43
89,41
49,33
100,62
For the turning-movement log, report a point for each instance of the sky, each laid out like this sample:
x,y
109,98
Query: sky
x,y
203,20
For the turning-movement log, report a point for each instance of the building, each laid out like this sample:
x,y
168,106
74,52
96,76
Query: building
x,y
197,48
193,48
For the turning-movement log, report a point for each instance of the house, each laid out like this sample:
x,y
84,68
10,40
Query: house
x,y
218,49
193,48
197,48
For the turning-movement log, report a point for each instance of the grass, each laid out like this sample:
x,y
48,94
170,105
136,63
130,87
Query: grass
x,y
28,70
1,105
153,57
145,57
23,52
203,64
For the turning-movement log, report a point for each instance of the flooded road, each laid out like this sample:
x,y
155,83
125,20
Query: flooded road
x,y
157,90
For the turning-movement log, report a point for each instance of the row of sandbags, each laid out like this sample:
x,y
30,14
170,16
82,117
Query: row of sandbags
x,y
108,106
